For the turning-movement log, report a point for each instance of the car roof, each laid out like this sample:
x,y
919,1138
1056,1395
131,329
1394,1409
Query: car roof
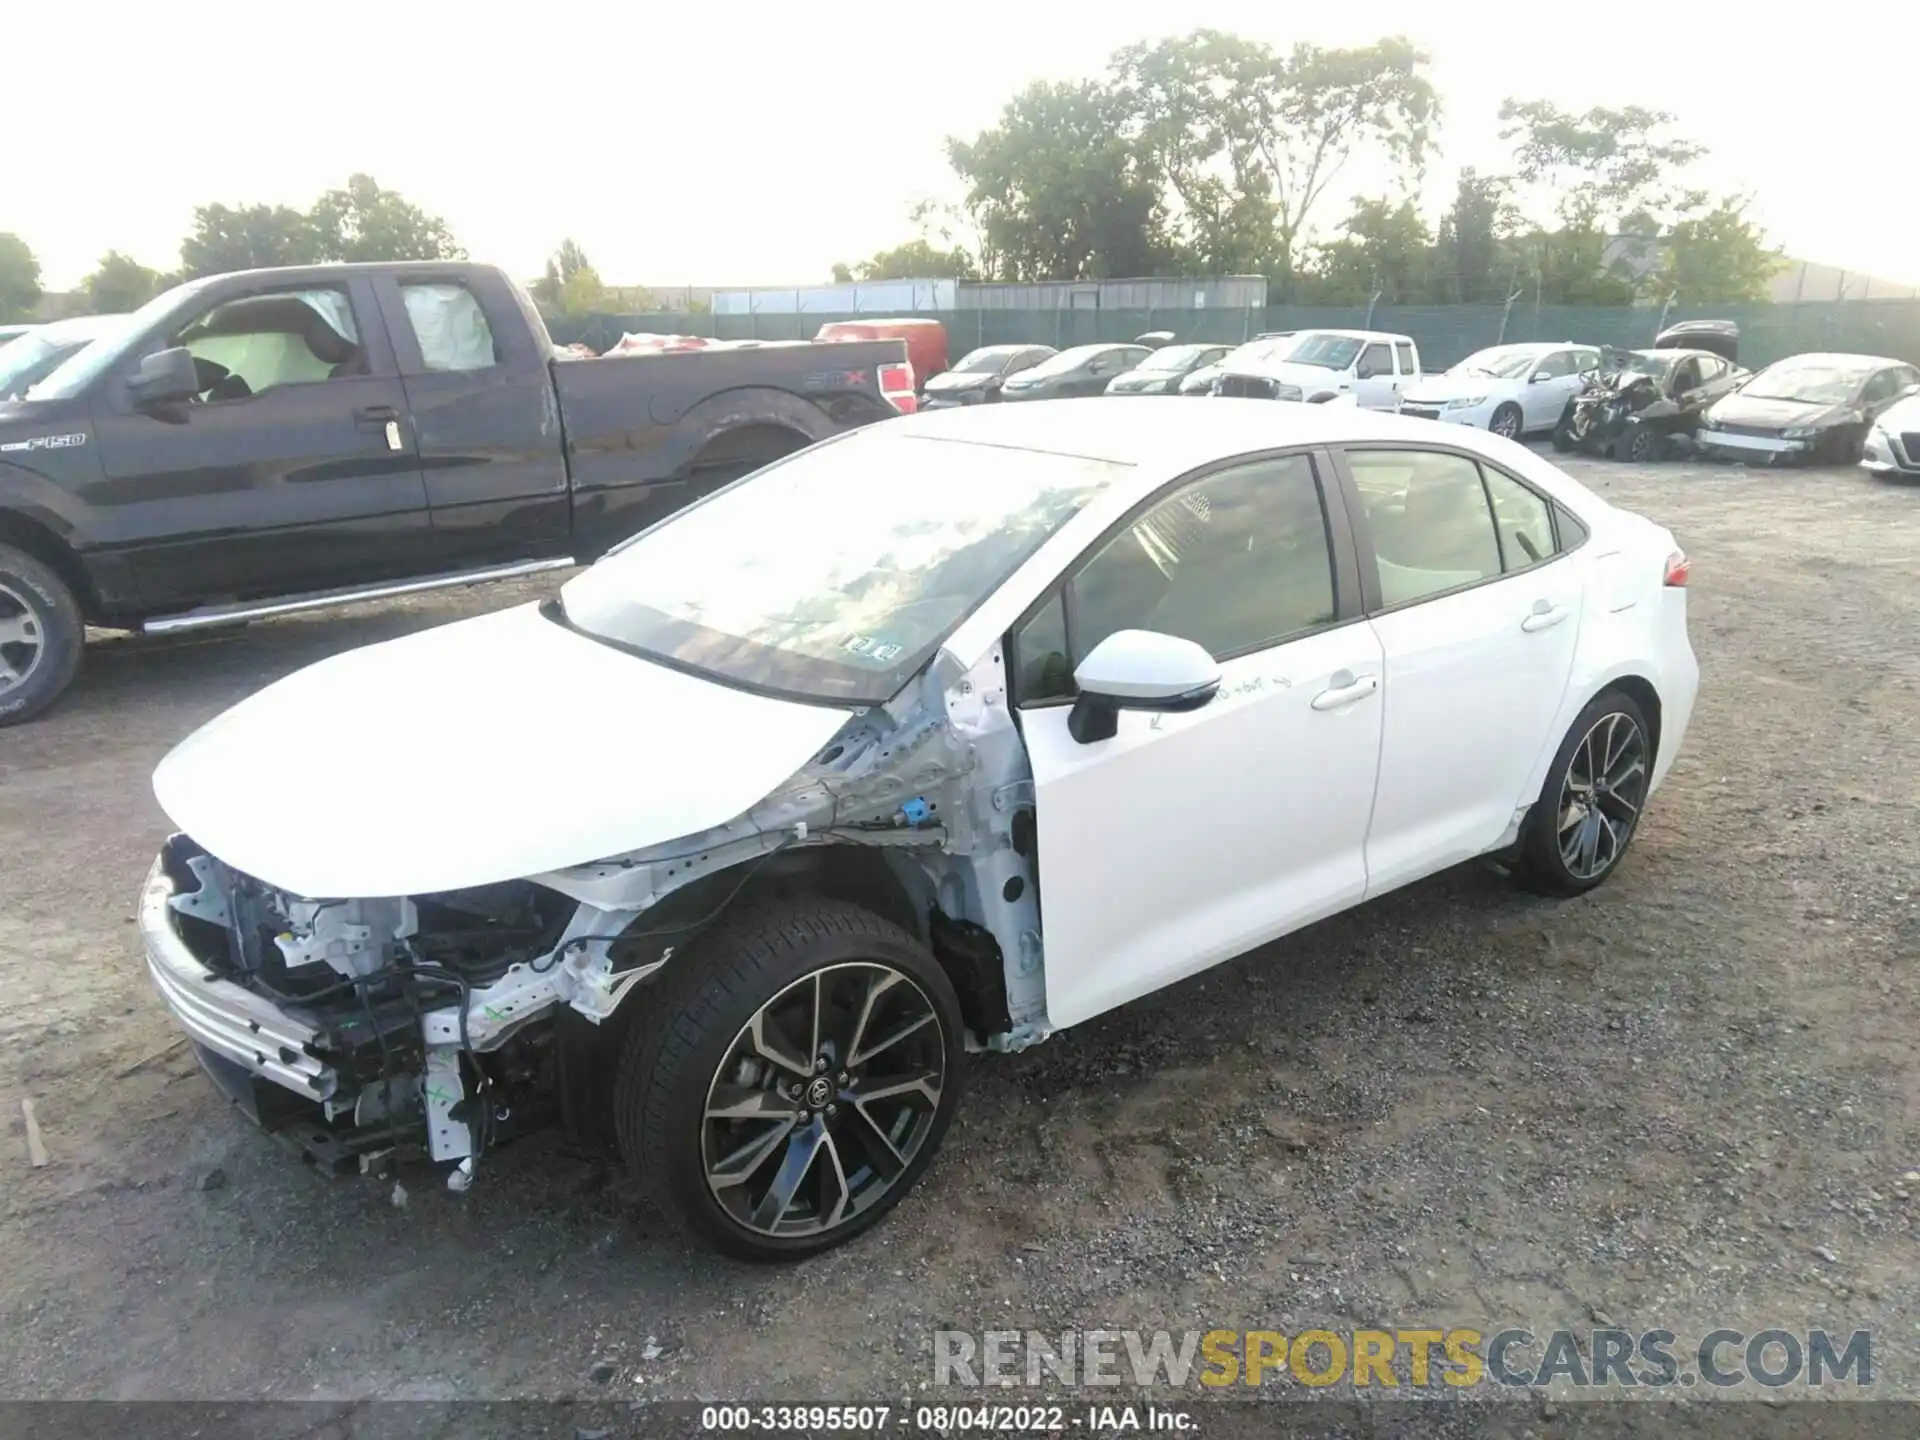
x,y
1837,357
1352,334
1142,432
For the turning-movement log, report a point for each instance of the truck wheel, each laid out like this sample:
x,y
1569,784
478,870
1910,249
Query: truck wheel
x,y
41,634
1590,803
792,1078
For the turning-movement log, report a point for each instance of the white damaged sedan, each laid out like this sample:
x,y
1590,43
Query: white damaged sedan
x,y
941,735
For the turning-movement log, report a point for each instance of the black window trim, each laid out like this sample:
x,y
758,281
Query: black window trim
x,y
1367,557
1342,545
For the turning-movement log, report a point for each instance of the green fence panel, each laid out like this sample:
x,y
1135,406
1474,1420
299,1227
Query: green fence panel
x,y
1444,333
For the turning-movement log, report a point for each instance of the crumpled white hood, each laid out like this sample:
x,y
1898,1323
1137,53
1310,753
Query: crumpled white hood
x,y
485,750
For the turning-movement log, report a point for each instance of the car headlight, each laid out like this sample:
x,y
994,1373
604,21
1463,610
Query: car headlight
x,y
1799,432
1467,402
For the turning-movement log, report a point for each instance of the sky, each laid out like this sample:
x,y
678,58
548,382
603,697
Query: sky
x,y
757,144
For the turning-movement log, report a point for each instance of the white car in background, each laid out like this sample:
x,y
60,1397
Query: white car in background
x,y
1512,390
1893,441
1207,674
1367,368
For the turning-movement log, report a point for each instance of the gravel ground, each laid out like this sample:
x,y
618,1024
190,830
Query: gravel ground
x,y
1687,1100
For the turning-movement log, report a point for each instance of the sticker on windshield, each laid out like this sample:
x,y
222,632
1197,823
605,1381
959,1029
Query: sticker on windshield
x,y
871,647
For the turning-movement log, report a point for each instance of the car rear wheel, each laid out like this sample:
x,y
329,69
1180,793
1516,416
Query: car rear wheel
x,y
1506,421
41,636
1590,803
1640,446
792,1079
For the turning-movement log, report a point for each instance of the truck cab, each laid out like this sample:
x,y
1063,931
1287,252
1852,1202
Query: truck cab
x,y
1367,368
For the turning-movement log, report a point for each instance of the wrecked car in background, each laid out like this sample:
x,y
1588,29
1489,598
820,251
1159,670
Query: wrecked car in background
x,y
853,710
1806,407
977,379
1643,405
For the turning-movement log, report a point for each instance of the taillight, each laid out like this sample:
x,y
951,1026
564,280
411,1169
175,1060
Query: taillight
x,y
896,387
1677,568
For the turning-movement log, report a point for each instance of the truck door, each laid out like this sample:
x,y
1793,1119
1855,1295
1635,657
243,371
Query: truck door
x,y
290,472
484,418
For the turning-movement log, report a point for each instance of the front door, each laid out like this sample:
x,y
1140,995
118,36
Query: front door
x,y
1186,839
1375,386
290,473
1477,615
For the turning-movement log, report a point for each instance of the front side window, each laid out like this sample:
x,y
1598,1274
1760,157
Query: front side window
x,y
833,576
258,343
451,327
1234,562
1432,527
1374,360
1556,365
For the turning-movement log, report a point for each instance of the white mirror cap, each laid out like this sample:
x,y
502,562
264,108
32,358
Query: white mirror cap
x,y
1146,665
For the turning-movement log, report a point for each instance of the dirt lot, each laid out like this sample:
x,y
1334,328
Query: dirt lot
x,y
1688,1100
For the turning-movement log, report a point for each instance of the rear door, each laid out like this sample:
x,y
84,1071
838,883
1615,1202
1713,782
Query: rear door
x,y
1478,612
291,473
483,419
1187,838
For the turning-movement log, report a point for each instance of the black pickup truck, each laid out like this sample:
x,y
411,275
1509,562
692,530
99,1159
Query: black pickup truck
x,y
278,440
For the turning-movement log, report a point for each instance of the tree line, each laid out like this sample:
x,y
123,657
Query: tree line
x,y
1210,154
359,221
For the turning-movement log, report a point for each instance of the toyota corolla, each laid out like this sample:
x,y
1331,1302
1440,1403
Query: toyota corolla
x,y
940,736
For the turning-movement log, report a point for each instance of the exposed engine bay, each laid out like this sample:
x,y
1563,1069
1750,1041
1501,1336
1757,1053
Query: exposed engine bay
x,y
453,1020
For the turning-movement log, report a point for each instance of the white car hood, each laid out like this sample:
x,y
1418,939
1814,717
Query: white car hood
x,y
1441,388
490,749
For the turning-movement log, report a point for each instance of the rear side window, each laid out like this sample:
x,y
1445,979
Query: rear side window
x,y
1431,524
451,327
1522,520
1572,532
1403,352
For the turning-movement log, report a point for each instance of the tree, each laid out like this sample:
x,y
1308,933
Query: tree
x,y
1718,257
1310,111
1056,190
918,259
1472,252
1605,164
1180,99
248,237
583,294
842,273
19,278
364,222
565,264
1385,249
118,285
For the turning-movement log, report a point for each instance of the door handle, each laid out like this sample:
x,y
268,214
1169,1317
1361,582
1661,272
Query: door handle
x,y
377,418
1544,617
1346,693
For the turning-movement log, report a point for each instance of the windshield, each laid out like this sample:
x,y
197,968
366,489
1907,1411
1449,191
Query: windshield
x,y
1826,382
1067,360
990,361
1260,350
834,575
79,371
33,357
1171,358
1502,362
1642,362
1329,352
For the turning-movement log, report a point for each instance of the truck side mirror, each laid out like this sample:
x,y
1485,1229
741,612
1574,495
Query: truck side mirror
x,y
164,378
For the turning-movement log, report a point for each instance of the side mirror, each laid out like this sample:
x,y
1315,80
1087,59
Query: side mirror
x,y
164,378
1139,670
1540,377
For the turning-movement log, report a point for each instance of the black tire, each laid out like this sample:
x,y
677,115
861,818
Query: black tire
x,y
1562,441
1516,425
1543,862
1641,446
679,1049
34,601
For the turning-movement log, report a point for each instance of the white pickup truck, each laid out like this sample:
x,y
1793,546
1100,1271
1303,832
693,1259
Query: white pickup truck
x,y
1368,368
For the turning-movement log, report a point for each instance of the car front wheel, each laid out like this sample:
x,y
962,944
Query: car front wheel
x,y
1589,806
41,634
792,1078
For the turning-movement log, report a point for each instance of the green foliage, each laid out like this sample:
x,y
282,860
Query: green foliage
x,y
119,284
247,237
364,222
1717,257
917,259
19,278
564,268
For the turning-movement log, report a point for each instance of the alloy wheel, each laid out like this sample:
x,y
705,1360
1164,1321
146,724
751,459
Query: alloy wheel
x,y
1506,423
1601,795
22,638
823,1100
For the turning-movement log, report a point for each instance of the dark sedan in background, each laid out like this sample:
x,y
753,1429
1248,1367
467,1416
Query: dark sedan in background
x,y
980,374
1083,370
1806,407
1162,372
